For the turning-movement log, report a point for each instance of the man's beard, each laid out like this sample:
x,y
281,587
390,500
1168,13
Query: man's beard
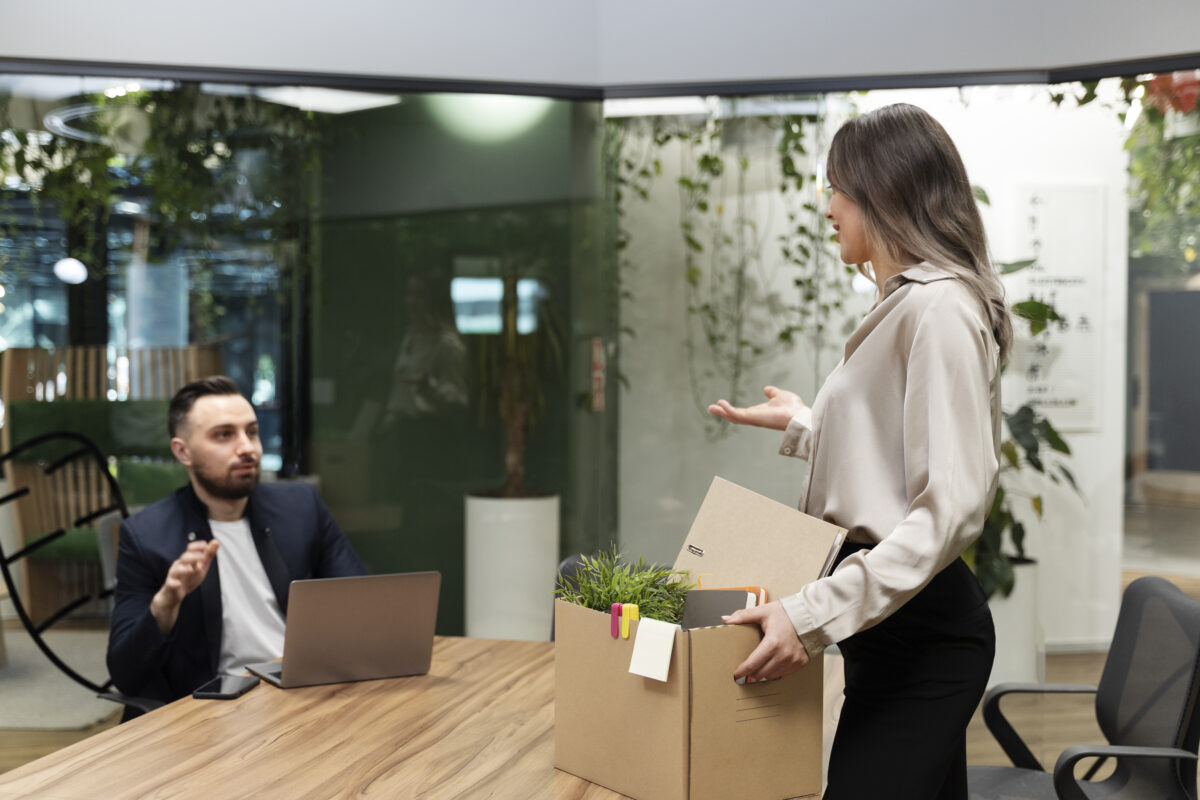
x,y
228,486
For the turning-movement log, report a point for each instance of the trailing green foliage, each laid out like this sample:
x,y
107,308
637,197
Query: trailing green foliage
x,y
1033,442
197,154
606,578
1038,314
753,289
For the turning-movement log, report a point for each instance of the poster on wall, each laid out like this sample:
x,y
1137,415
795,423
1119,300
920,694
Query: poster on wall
x,y
1058,372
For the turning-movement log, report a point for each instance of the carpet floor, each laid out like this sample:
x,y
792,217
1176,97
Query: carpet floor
x,y
34,694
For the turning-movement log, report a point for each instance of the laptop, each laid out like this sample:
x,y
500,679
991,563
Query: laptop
x,y
356,629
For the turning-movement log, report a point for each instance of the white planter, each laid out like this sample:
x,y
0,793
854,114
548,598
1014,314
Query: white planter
x,y
1020,643
512,560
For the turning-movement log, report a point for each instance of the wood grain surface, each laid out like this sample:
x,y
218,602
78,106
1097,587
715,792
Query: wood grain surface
x,y
479,725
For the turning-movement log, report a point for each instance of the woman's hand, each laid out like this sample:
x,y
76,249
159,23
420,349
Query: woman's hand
x,y
775,413
779,653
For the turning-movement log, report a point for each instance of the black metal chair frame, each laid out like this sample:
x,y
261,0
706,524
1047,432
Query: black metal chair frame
x,y
86,449
1066,785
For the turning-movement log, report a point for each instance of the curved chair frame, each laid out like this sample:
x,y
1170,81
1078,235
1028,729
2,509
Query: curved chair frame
x,y
86,449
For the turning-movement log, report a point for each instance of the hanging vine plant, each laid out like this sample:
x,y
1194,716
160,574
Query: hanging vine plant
x,y
746,301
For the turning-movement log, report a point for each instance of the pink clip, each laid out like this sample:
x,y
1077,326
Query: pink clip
x,y
616,620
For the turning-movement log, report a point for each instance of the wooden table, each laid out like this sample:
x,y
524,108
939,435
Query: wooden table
x,y
479,725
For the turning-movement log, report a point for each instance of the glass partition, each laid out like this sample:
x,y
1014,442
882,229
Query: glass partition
x,y
360,261
346,257
730,283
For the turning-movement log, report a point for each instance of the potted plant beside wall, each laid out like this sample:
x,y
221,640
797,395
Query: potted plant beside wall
x,y
1032,453
512,533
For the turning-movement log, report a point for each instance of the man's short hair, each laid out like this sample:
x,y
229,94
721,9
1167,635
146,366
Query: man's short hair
x,y
187,396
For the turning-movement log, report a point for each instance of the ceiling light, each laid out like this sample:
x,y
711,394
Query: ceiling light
x,y
57,122
60,87
328,101
307,98
486,118
71,270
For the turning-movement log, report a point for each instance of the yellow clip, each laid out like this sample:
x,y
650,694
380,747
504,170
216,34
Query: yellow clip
x,y
629,611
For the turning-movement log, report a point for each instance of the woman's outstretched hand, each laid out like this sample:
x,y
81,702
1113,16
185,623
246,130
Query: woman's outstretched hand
x,y
779,408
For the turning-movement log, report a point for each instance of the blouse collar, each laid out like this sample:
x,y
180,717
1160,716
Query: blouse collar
x,y
919,273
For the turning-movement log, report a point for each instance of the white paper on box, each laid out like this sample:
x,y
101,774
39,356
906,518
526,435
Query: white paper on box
x,y
652,649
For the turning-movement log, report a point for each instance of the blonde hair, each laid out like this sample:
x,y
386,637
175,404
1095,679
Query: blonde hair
x,y
899,166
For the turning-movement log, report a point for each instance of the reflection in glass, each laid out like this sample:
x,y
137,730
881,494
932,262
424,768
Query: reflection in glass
x,y
477,304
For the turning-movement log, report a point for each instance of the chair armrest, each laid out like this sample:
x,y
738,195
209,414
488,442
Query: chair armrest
x,y
1068,788
143,704
1011,743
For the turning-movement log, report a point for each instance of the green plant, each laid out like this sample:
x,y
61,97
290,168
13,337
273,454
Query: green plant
x,y
1033,443
516,368
1164,170
606,578
738,318
183,155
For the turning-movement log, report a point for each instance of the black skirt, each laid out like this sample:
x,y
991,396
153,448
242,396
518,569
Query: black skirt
x,y
912,684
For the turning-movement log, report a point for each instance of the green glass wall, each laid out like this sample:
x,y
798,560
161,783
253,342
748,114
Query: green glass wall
x,y
345,255
412,209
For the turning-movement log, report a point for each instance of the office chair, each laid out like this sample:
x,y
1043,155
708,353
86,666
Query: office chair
x,y
73,455
1146,706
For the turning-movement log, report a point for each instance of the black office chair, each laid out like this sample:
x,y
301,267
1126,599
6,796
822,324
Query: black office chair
x,y
1146,706
100,509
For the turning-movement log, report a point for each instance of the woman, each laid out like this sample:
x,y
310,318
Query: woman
x,y
903,450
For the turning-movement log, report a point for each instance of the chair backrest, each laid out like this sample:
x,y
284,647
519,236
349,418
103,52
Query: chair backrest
x,y
107,531
62,452
72,389
1148,691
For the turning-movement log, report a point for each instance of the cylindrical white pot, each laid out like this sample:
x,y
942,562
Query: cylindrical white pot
x,y
512,561
1020,645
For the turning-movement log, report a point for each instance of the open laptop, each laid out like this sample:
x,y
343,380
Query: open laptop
x,y
356,629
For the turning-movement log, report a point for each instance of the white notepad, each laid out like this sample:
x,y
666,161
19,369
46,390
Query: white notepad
x,y
652,649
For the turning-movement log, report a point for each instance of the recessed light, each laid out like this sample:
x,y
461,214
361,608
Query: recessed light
x,y
71,270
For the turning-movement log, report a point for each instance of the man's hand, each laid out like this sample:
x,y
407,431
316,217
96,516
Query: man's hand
x,y
186,573
779,653
778,410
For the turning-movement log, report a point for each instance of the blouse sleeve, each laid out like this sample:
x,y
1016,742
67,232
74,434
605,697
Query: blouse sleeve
x,y
950,467
797,437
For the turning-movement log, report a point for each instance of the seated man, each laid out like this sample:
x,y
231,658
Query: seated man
x,y
178,622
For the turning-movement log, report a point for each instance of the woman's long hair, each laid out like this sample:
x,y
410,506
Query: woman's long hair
x,y
900,167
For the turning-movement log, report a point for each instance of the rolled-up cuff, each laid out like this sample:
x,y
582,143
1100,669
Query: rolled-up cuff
x,y
802,621
797,435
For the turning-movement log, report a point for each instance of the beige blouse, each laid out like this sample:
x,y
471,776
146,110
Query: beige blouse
x,y
903,445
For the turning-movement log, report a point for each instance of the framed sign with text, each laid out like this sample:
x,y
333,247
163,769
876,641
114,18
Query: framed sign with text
x,y
1058,372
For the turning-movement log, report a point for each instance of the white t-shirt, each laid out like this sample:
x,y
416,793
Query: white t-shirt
x,y
251,621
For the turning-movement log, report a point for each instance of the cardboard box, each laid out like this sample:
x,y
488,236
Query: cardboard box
x,y
700,736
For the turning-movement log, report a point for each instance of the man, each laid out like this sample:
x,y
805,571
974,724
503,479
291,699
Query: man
x,y
203,575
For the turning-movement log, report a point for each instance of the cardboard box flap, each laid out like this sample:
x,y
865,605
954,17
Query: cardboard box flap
x,y
740,538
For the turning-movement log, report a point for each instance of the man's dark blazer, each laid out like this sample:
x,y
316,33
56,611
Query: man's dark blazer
x,y
296,538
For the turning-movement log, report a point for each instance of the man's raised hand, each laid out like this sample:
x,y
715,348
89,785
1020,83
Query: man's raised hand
x,y
185,574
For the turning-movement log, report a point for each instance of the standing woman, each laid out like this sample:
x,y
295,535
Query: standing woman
x,y
903,449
